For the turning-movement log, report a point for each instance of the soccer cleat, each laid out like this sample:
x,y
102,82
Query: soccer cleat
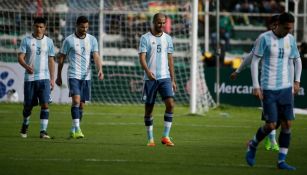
x,y
44,135
72,135
267,144
78,134
275,147
151,143
24,131
284,166
167,141
250,154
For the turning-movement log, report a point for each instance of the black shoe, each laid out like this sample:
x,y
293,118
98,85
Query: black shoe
x,y
24,131
44,135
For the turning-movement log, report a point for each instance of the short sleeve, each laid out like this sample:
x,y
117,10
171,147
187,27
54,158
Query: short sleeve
x,y
51,51
170,48
23,46
94,45
65,47
260,46
143,45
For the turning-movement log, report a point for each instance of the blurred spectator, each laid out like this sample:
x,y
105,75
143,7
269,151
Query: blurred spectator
x,y
271,6
244,6
128,31
303,54
181,25
141,26
226,27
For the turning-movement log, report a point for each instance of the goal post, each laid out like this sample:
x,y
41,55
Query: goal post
x,y
118,26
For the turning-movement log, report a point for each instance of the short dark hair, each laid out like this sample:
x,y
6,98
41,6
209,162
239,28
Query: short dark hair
x,y
155,17
39,20
285,18
81,19
274,19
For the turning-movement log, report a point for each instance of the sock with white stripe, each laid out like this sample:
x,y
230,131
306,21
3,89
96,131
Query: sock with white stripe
x,y
148,120
168,119
44,115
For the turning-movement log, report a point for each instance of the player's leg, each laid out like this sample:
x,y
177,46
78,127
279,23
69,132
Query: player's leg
x,y
75,114
85,95
272,139
261,133
74,92
284,143
44,96
165,89
270,115
267,142
148,120
27,107
82,103
26,121
286,117
149,96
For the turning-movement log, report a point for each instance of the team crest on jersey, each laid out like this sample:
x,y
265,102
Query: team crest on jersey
x,y
274,45
153,43
287,46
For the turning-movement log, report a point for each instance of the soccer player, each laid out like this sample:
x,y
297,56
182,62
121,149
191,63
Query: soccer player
x,y
155,54
270,141
36,55
79,48
275,48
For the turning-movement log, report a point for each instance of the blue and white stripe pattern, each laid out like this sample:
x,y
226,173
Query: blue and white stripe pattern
x,y
79,53
275,53
157,50
38,52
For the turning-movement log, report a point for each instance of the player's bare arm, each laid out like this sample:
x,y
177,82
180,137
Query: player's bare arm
x,y
61,58
22,62
98,64
51,66
172,71
296,87
143,63
234,75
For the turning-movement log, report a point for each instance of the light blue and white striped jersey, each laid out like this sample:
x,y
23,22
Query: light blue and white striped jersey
x,y
275,53
79,53
38,52
157,50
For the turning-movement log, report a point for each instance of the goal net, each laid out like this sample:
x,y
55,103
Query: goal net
x,y
118,26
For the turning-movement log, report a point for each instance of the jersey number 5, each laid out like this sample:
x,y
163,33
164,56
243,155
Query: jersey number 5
x,y
158,48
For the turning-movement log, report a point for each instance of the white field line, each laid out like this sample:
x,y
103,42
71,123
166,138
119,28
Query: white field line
x,y
137,161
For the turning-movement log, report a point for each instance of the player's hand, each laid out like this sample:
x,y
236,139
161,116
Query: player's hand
x,y
258,93
296,87
51,84
151,76
58,81
29,69
174,86
234,75
100,75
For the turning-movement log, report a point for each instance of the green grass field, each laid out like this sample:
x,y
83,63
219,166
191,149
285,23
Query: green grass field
x,y
115,142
